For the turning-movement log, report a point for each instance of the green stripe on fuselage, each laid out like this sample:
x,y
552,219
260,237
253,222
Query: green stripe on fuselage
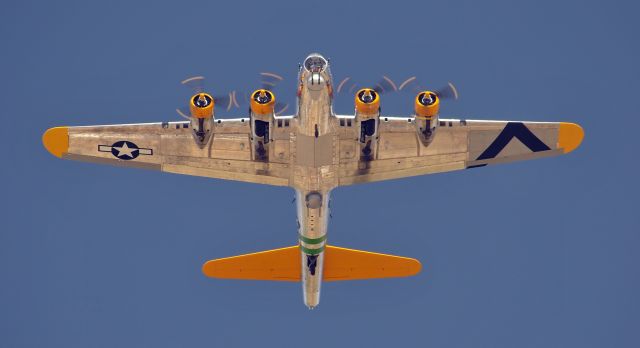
x,y
312,251
313,240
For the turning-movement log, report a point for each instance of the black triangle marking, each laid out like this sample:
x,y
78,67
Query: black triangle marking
x,y
513,130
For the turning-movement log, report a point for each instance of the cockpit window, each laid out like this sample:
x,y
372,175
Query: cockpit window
x,y
315,63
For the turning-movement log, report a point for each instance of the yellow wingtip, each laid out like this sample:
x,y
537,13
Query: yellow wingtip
x,y
570,136
415,268
56,140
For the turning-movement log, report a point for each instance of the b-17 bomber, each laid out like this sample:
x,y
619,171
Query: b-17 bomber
x,y
313,150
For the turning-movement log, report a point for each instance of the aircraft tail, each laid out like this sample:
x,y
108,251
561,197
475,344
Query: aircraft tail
x,y
284,265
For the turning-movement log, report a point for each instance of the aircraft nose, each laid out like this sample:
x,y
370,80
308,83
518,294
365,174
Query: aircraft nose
x,y
316,82
315,63
315,55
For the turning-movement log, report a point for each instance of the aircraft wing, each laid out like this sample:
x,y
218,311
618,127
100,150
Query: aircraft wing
x,y
458,144
170,147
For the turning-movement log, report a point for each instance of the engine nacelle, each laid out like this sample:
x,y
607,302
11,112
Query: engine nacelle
x,y
427,105
201,108
367,117
262,111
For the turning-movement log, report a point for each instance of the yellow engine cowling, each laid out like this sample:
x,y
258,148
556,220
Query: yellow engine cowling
x,y
201,105
367,103
201,108
427,105
263,102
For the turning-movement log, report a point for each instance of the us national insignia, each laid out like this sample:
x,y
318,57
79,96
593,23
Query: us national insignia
x,y
125,150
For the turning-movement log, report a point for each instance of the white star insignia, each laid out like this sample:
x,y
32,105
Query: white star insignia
x,y
125,150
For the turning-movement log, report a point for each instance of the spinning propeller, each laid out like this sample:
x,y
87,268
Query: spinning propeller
x,y
233,99
387,85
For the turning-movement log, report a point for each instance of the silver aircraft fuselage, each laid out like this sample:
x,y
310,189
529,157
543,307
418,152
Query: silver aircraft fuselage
x,y
313,171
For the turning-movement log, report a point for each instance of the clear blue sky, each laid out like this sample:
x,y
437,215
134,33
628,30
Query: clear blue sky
x,y
536,254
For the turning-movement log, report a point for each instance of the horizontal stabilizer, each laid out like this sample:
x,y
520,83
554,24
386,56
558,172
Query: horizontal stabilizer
x,y
285,265
350,264
277,264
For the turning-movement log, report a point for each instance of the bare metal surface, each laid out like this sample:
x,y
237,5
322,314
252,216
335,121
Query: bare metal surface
x,y
313,152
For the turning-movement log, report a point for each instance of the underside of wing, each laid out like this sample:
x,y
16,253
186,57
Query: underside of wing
x,y
457,145
170,147
514,141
